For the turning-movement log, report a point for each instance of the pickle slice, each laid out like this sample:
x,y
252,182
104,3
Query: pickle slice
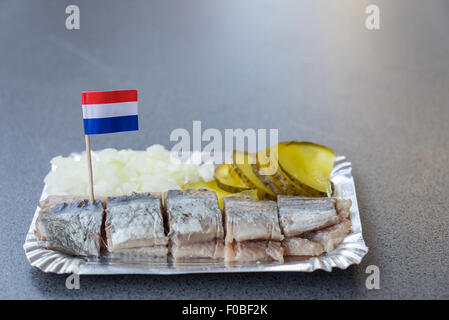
x,y
212,185
307,164
267,170
228,179
243,166
270,173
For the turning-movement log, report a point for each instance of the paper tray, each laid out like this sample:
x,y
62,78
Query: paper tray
x,y
350,251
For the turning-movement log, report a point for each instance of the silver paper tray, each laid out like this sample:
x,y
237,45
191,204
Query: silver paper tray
x,y
351,250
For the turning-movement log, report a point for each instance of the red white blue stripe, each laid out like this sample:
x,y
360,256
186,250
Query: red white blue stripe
x,y
109,111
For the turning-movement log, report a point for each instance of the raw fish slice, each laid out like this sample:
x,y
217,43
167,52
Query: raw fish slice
x,y
247,219
193,216
298,214
158,251
210,249
134,221
301,247
248,251
71,227
343,208
330,237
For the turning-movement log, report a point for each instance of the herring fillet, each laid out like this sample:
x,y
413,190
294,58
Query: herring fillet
x,y
248,219
195,224
135,221
193,216
298,215
252,231
327,221
71,227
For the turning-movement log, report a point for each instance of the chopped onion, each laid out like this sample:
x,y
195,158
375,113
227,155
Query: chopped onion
x,y
118,172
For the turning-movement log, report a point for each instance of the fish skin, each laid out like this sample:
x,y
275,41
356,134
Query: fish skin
x,y
53,200
256,250
193,216
248,219
134,221
195,222
307,234
298,215
71,227
343,206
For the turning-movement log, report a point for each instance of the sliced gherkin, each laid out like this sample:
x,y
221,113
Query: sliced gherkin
x,y
243,162
268,171
228,179
268,164
307,164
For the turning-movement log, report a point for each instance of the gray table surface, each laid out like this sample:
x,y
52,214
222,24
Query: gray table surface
x,y
309,68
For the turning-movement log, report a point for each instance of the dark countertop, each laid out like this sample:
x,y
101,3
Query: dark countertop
x,y
309,68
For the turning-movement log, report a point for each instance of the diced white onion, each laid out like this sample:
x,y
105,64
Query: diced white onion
x,y
118,172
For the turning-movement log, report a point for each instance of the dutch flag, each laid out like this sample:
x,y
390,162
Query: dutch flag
x,y
109,111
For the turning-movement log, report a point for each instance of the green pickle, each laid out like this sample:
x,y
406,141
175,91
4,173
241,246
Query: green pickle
x,y
307,164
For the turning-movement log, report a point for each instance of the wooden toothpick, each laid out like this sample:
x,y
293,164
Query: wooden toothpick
x,y
89,168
